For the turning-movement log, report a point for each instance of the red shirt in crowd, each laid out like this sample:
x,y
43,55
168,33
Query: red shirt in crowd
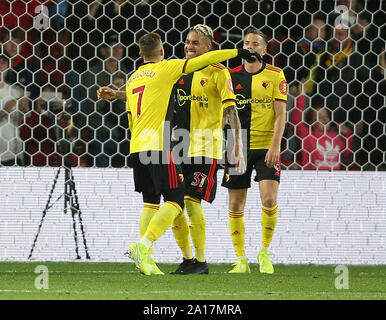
x,y
323,149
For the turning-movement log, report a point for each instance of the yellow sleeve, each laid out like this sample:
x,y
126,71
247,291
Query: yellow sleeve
x,y
225,88
208,58
174,67
130,121
280,90
128,110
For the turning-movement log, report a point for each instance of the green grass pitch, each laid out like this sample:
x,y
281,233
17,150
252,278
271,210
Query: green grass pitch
x,y
84,280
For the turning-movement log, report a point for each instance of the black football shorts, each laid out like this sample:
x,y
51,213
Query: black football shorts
x,y
201,178
160,176
255,160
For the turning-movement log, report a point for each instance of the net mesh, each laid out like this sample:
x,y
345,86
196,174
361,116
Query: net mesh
x,y
56,54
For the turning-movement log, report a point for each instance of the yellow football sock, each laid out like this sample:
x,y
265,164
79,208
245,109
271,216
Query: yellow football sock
x,y
181,233
237,229
149,209
268,223
162,220
200,254
197,226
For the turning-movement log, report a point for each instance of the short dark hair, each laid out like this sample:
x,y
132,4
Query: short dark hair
x,y
258,32
309,113
149,44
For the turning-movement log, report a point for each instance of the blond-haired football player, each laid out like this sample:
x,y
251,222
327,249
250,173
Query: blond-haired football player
x,y
150,107
203,99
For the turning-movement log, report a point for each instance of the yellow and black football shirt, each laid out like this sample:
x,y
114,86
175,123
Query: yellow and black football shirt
x,y
201,99
150,97
256,94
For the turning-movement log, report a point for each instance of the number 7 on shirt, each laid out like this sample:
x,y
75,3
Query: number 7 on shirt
x,y
139,90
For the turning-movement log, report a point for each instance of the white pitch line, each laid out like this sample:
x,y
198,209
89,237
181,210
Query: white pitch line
x,y
81,292
126,292
72,272
87,271
178,292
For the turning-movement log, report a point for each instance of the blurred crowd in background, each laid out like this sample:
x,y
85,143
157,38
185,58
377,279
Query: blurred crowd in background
x,y
55,54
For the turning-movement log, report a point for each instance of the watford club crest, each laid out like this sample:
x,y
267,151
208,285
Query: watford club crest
x,y
230,85
227,177
181,177
277,168
265,85
283,87
203,82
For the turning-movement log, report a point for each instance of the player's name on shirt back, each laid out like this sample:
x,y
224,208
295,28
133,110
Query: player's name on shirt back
x,y
140,74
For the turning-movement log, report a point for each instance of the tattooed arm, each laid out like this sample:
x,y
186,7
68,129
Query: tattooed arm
x,y
121,95
108,93
232,118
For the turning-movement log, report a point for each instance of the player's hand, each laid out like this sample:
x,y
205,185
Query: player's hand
x,y
249,55
272,157
240,164
237,157
106,93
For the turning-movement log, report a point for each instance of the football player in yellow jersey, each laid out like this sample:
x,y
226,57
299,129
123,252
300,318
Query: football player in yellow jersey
x,y
261,91
148,96
203,98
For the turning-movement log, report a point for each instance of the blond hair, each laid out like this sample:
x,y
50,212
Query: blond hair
x,y
204,30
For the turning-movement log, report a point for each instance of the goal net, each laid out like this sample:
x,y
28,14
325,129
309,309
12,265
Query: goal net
x,y
56,54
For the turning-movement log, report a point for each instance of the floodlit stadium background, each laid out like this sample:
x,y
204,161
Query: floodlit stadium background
x,y
62,51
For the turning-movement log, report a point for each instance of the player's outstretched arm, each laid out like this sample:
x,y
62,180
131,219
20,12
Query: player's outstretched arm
x,y
217,56
110,94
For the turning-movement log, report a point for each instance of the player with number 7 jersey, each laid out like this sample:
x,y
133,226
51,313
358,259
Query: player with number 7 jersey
x,y
149,99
